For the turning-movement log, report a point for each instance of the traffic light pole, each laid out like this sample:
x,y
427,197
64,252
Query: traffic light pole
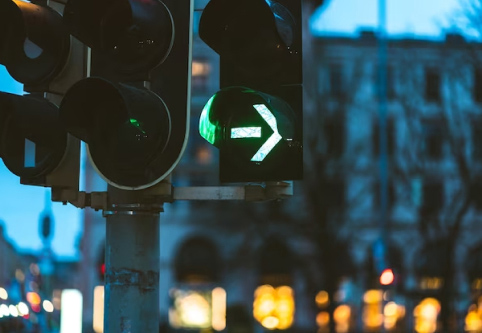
x,y
132,254
132,263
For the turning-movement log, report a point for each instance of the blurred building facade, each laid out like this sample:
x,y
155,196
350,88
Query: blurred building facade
x,y
30,288
313,262
433,113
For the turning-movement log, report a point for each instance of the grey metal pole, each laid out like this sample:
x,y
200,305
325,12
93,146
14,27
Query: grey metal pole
x,y
382,119
383,162
132,264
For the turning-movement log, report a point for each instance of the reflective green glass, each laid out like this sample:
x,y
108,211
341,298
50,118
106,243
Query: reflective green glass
x,y
206,128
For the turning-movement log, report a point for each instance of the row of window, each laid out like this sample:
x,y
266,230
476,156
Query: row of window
x,y
432,83
429,196
432,143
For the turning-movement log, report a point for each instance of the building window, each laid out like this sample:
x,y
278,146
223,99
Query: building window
x,y
390,194
204,154
477,140
197,261
432,85
433,196
195,24
477,194
200,75
389,84
477,92
336,81
335,136
390,137
334,194
433,140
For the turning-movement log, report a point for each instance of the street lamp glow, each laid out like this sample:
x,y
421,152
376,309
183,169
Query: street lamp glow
x,y
71,312
4,310
219,309
48,306
22,309
3,294
13,310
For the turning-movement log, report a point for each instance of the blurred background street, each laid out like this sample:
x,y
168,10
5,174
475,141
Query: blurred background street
x,y
384,234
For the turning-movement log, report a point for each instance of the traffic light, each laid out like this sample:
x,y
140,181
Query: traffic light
x,y
37,51
387,277
133,112
256,118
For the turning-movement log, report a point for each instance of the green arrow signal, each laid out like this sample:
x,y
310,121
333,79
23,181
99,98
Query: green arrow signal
x,y
245,132
273,139
255,132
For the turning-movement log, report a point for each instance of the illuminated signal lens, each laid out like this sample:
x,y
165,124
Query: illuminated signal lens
x,y
387,277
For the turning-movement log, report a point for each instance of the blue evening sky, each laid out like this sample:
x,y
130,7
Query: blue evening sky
x,y
21,206
410,17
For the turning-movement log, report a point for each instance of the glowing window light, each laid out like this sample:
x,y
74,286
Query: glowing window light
x,y
22,309
192,309
218,309
3,294
431,283
200,68
270,322
426,313
473,321
195,310
274,308
372,311
341,316
323,319
71,311
48,306
98,320
322,299
392,314
12,309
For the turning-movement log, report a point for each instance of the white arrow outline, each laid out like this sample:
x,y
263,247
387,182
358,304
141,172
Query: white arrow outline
x,y
245,132
273,139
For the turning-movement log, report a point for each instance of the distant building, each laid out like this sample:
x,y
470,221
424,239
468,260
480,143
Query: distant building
x,y
433,115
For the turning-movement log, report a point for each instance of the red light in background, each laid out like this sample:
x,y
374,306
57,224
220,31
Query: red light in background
x,y
387,277
102,269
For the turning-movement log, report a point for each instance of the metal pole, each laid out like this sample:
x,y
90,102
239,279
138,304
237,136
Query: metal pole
x,y
132,264
382,112
382,119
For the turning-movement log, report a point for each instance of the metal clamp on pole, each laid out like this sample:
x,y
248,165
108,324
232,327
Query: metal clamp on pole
x,y
94,200
133,209
252,192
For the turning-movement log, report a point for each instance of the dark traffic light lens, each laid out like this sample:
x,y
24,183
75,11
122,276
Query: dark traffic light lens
x,y
137,34
256,35
34,43
126,128
32,143
132,35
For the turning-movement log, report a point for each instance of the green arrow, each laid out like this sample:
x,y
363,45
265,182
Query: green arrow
x,y
273,139
245,132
